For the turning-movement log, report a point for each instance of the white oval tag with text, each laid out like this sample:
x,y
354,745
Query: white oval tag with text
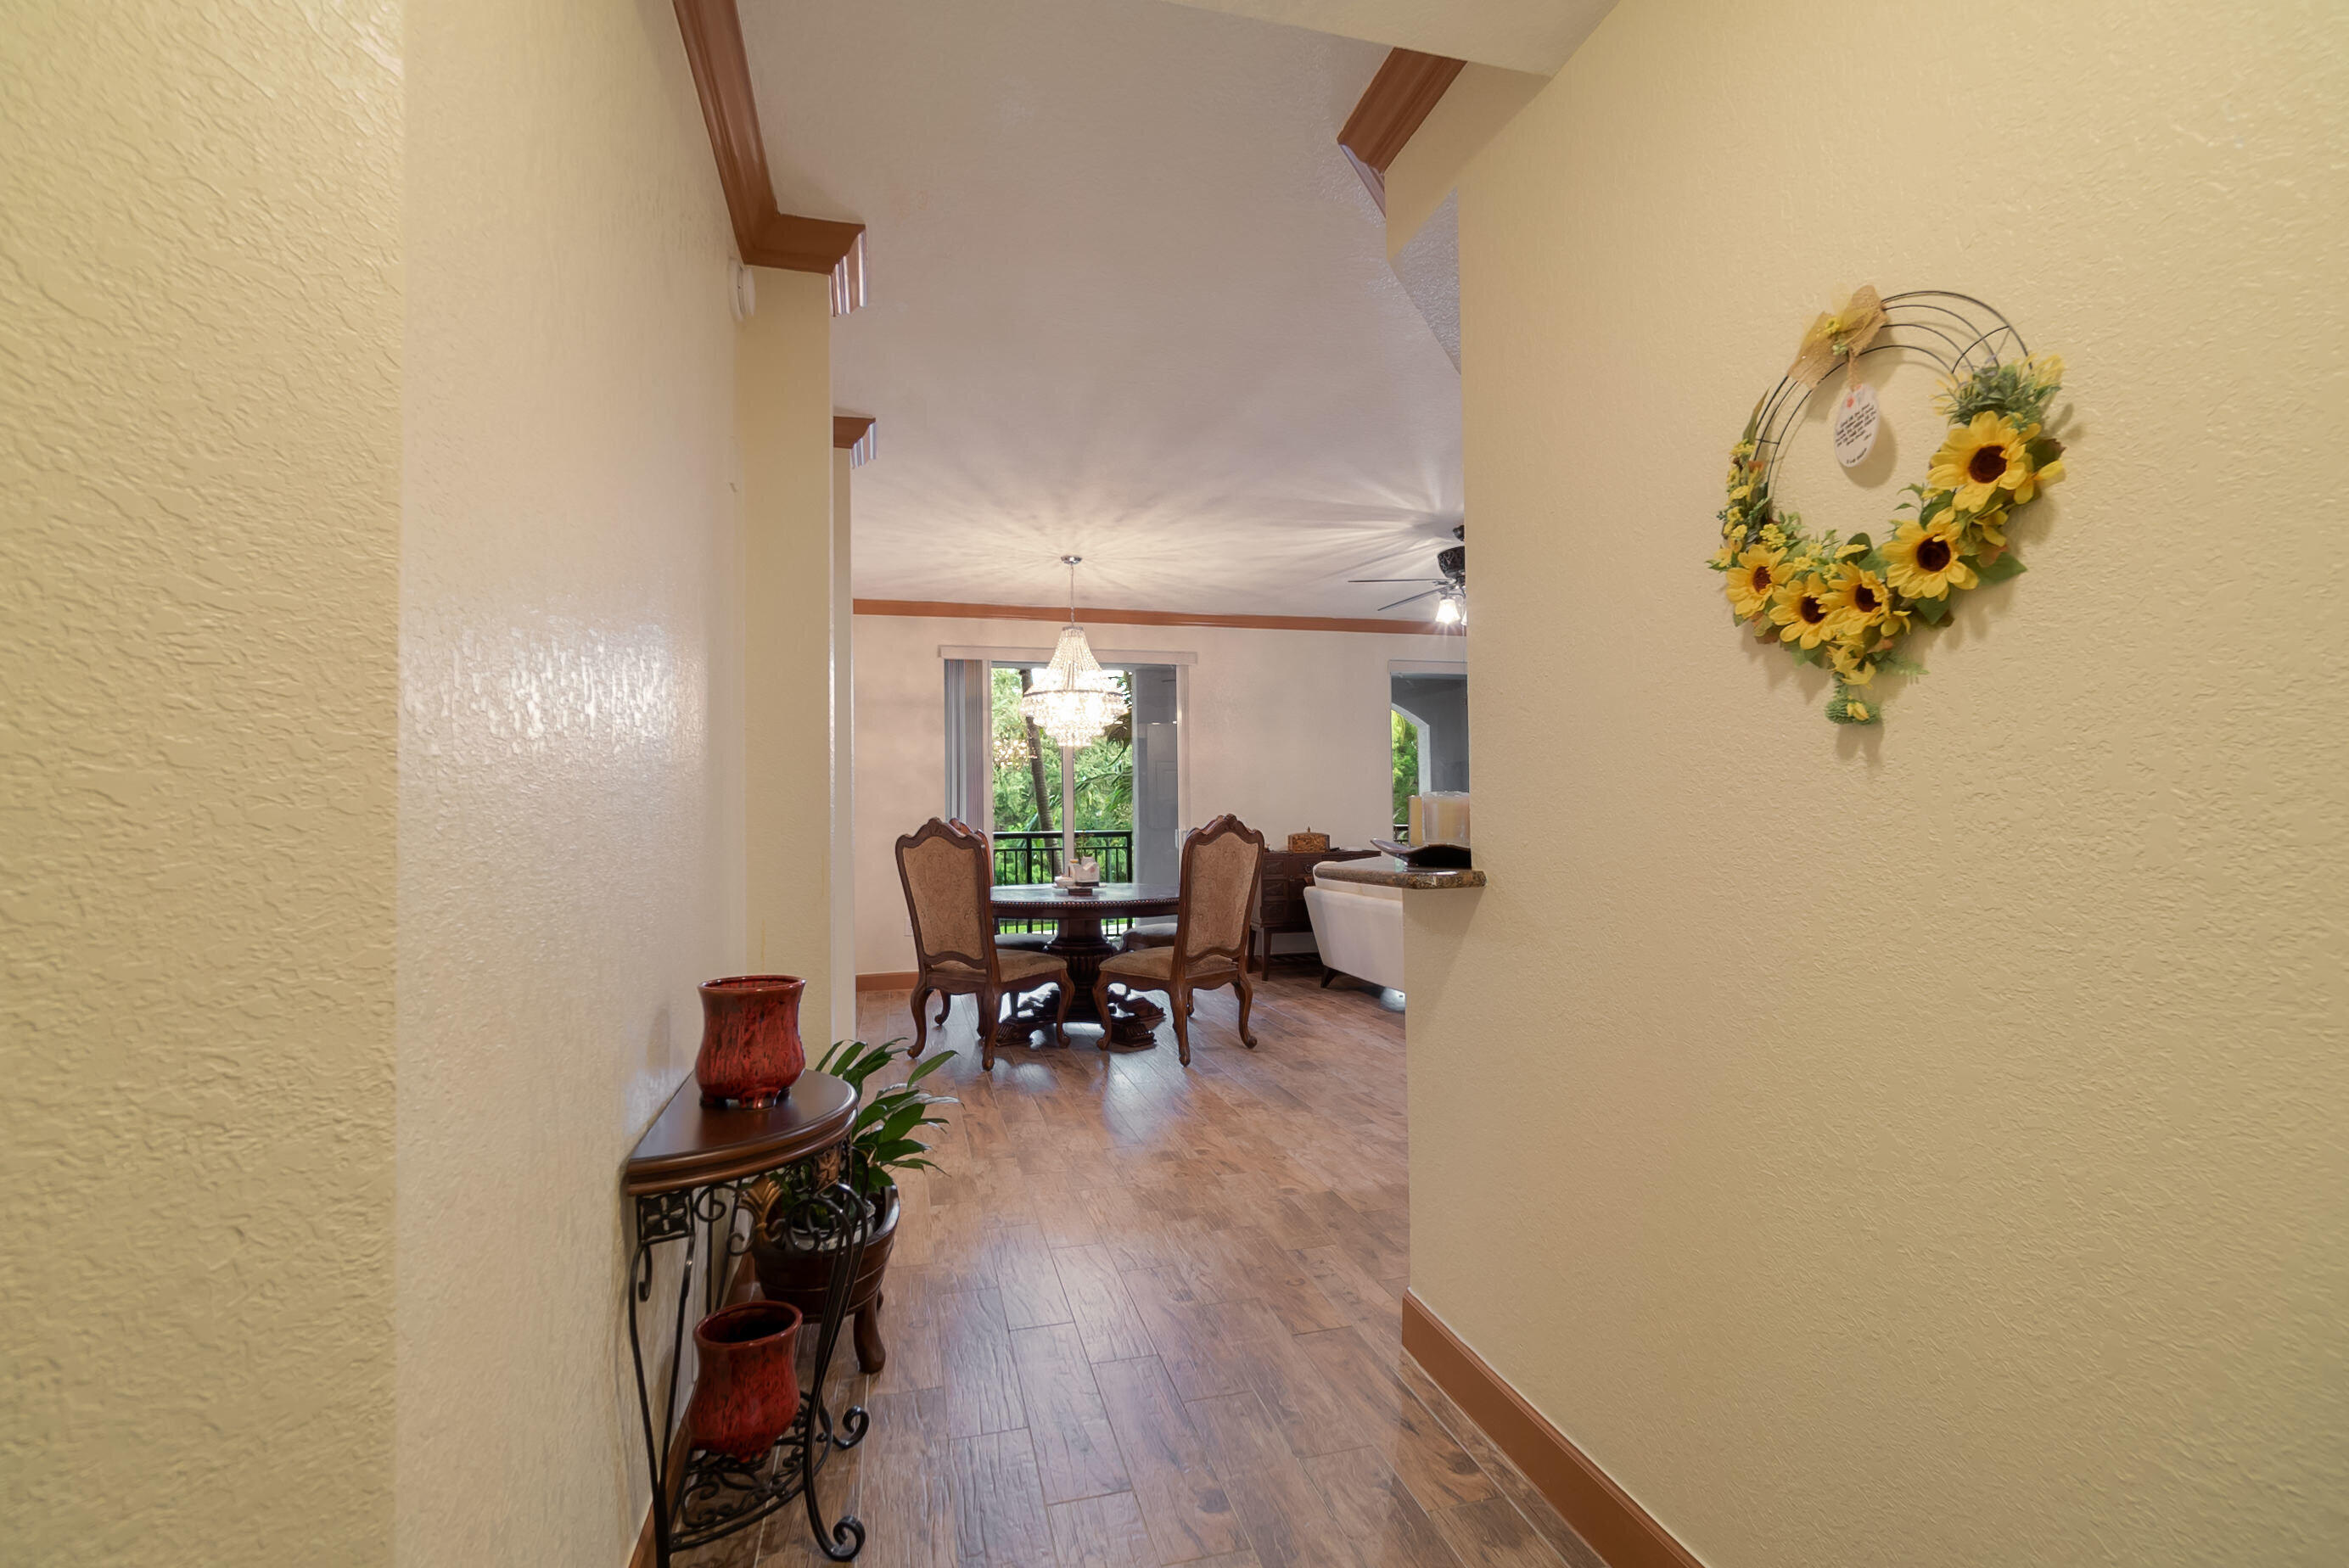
x,y
1855,423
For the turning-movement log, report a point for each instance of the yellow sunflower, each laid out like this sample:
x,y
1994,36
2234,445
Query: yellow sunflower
x,y
1858,601
1726,557
1752,580
1854,665
1922,561
1981,460
1799,608
2038,479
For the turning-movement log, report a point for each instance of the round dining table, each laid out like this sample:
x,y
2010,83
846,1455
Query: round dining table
x,y
1078,942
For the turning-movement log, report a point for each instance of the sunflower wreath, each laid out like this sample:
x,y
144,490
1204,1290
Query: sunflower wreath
x,y
1845,603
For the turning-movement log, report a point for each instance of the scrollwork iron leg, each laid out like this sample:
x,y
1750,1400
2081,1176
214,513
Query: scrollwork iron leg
x,y
656,1223
843,1540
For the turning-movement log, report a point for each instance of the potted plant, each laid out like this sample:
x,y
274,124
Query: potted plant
x,y
795,1266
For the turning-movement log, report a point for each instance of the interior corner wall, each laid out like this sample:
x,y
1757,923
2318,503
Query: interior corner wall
x,y
841,865
783,425
1472,111
200,364
1938,1159
1287,729
571,773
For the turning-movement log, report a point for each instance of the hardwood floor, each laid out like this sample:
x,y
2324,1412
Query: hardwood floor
x,y
1146,1316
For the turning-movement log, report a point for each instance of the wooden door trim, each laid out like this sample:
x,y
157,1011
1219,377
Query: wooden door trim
x,y
1623,1533
949,610
763,234
1408,87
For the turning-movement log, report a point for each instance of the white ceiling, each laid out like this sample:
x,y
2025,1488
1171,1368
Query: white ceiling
x,y
1523,35
1127,300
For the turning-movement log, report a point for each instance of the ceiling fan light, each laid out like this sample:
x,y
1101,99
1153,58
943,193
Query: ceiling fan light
x,y
1447,611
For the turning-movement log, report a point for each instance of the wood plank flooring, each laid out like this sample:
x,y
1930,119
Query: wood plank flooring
x,y
1146,1316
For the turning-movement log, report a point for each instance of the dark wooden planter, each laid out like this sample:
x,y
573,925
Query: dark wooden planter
x,y
802,1279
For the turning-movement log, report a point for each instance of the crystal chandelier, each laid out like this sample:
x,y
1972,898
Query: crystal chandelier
x,y
1073,699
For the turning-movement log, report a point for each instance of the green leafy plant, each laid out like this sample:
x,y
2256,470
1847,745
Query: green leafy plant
x,y
886,1135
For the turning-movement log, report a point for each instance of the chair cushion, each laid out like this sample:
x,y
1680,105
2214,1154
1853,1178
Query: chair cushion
x,y
1156,965
1144,934
1010,966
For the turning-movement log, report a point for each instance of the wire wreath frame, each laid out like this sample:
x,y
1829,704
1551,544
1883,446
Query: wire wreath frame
x,y
1960,343
1844,601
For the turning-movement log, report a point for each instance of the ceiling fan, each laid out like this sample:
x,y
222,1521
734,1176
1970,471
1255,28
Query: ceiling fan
x,y
1451,607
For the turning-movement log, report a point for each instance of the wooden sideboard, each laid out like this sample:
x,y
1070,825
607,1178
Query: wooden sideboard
x,y
1280,903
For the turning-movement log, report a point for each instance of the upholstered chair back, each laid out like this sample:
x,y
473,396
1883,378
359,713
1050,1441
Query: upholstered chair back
x,y
944,869
1220,865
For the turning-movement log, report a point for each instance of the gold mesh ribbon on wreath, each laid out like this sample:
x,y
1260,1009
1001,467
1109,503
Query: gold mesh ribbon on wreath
x,y
1837,338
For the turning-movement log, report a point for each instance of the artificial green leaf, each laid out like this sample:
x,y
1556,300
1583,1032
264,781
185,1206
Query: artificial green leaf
x,y
1932,611
901,1123
1999,570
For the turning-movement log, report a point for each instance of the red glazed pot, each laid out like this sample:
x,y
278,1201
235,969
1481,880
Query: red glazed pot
x,y
748,1393
750,1050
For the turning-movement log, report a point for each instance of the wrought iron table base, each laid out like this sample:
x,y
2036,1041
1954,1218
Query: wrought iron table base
x,y
1134,1020
718,1494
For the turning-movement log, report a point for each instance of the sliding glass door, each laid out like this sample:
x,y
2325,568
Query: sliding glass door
x,y
1004,775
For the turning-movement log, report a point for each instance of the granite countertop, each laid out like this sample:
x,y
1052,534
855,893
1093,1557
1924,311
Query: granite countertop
x,y
1386,872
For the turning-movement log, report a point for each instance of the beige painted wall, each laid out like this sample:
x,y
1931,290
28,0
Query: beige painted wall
x,y
571,774
1288,729
200,257
1472,111
1938,1155
784,423
840,870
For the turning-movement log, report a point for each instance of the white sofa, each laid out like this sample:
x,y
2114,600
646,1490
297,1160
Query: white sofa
x,y
1358,929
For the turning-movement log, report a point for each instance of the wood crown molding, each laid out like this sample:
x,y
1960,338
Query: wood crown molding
x,y
765,235
1624,1534
1408,87
947,610
853,433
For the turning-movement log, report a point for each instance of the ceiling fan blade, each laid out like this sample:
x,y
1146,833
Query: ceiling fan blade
x,y
1394,579
1414,599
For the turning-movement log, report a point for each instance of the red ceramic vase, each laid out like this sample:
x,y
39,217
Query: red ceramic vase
x,y
748,1393
750,1050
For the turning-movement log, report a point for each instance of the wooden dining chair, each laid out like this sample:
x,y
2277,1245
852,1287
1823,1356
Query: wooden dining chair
x,y
1222,864
943,867
1005,940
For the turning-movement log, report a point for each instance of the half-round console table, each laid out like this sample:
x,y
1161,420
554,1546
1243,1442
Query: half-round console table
x,y
1079,942
686,1176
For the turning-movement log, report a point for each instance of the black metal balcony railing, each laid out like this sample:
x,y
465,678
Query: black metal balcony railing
x,y
1025,859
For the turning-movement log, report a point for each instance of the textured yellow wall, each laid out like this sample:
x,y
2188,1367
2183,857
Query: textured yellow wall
x,y
199,488
570,744
1923,1146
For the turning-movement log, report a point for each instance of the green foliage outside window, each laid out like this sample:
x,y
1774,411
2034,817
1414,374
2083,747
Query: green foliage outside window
x,y
1406,764
1028,767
